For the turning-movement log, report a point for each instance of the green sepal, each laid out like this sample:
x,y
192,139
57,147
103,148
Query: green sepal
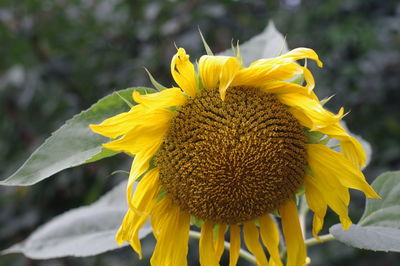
x,y
161,194
155,83
196,221
208,49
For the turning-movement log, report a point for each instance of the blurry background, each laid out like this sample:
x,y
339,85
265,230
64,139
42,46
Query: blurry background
x,y
60,56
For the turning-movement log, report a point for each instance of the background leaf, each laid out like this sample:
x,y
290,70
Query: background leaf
x,y
385,211
74,143
269,43
379,227
85,231
375,238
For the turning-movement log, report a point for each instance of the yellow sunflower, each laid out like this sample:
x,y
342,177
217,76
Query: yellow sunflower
x,y
228,147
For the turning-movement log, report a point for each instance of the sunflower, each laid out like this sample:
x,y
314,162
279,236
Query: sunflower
x,y
228,149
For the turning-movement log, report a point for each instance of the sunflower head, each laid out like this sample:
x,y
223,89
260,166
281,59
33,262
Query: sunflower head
x,y
229,146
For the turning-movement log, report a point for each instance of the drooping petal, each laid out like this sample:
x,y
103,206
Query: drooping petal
x,y
166,98
309,112
353,151
235,244
251,237
317,204
146,192
182,71
219,243
129,230
171,229
320,193
351,148
143,202
140,164
218,71
270,237
207,251
296,249
327,163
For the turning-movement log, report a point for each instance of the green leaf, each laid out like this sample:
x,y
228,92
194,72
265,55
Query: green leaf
x,y
269,43
379,227
84,231
386,211
376,238
74,143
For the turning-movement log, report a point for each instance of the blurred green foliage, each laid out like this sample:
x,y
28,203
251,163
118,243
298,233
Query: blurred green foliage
x,y
60,56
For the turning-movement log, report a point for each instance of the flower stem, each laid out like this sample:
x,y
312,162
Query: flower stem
x,y
242,253
323,238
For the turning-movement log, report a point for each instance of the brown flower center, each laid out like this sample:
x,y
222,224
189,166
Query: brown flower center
x,y
234,160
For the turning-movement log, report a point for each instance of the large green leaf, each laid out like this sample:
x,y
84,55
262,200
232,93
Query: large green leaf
x,y
84,231
379,227
74,143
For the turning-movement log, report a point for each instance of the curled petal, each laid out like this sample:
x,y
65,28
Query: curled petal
x,y
182,71
310,112
218,72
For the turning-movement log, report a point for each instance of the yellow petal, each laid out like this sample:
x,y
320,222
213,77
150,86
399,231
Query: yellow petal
x,y
258,75
303,106
296,249
351,148
270,237
158,215
218,71
319,192
328,163
143,202
279,68
354,151
172,238
283,87
182,71
146,192
162,99
129,231
301,53
235,244
251,236
317,204
219,243
148,129
118,125
207,251
308,77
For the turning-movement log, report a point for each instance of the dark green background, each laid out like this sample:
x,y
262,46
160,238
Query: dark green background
x,y
57,57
